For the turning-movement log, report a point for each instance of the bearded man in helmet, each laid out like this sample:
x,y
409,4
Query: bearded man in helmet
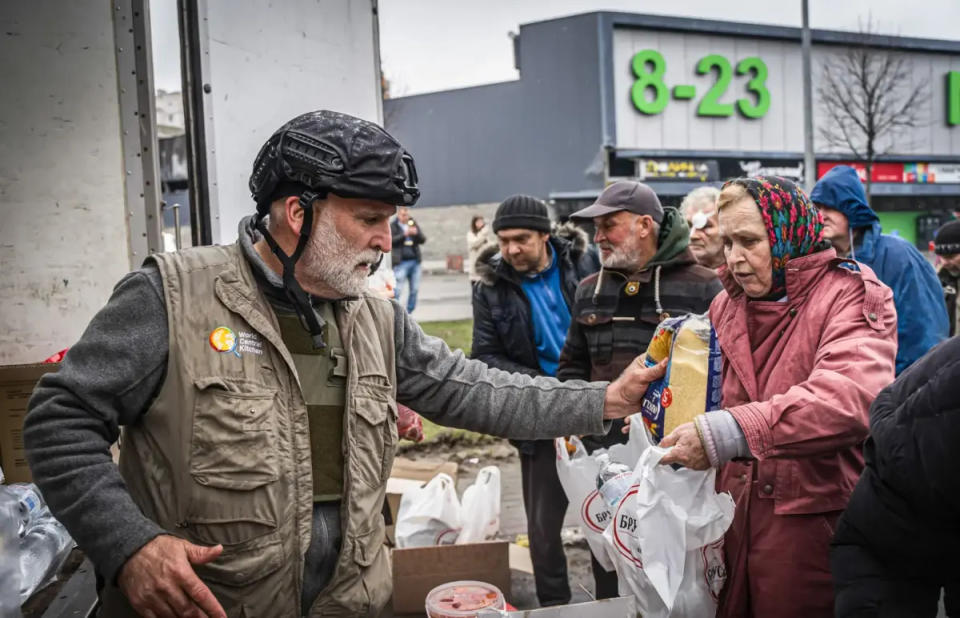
x,y
255,386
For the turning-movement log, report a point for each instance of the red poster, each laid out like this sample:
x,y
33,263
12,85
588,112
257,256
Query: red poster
x,y
881,172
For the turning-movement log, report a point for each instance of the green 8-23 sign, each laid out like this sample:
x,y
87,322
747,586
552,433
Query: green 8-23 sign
x,y
649,66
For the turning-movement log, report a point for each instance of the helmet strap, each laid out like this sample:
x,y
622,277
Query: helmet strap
x,y
297,296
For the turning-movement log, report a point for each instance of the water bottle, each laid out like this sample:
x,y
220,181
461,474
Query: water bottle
x,y
613,480
42,550
9,554
30,505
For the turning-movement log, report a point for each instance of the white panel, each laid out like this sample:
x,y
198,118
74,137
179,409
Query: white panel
x,y
781,129
791,85
701,127
672,49
938,109
726,131
749,134
269,62
63,237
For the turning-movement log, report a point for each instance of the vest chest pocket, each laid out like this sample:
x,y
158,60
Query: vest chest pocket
x,y
234,442
374,435
234,463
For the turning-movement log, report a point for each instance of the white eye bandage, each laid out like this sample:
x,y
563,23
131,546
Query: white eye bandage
x,y
699,221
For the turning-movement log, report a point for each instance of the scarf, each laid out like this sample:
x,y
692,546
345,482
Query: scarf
x,y
794,224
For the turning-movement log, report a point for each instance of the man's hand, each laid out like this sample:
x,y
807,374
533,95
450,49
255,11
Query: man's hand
x,y
687,448
411,230
625,393
159,581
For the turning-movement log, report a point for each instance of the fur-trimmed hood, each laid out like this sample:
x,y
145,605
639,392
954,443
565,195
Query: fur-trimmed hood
x,y
568,240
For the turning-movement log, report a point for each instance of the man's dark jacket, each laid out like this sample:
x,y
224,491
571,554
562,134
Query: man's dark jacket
x,y
615,314
401,252
503,334
899,539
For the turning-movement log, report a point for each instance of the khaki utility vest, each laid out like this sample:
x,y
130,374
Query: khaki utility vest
x,y
223,454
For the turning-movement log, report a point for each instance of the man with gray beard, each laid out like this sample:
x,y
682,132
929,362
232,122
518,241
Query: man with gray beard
x,y
256,385
648,273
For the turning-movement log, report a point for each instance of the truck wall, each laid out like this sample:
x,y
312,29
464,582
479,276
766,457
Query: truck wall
x,y
63,232
269,62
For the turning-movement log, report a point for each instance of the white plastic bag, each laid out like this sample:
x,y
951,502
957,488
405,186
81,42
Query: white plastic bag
x,y
578,476
480,508
667,539
429,515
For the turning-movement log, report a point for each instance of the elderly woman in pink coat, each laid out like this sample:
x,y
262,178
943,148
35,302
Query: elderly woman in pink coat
x,y
808,341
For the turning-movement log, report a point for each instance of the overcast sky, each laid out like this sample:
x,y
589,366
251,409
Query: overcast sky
x,y
429,45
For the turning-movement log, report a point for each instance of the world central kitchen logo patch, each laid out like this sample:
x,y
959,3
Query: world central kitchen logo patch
x,y
223,339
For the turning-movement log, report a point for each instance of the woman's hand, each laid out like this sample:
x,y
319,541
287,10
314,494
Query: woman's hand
x,y
687,448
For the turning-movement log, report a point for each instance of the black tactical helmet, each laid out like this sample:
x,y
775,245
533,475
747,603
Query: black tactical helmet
x,y
316,154
329,152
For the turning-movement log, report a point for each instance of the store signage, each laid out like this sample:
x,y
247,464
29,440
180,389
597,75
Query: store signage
x,y
791,169
677,169
910,173
881,171
923,173
650,95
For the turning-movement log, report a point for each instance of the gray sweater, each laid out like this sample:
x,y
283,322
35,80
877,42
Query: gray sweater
x,y
112,374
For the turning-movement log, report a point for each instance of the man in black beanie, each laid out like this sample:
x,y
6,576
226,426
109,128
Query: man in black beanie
x,y
947,245
521,312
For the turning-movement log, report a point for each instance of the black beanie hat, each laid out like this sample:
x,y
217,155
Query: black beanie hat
x,y
947,240
522,211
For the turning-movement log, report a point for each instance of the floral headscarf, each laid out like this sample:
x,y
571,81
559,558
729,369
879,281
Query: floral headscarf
x,y
794,224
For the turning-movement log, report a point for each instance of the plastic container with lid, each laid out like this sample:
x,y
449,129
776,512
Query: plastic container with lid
x,y
463,599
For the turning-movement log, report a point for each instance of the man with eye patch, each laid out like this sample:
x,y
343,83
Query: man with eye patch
x,y
255,386
699,208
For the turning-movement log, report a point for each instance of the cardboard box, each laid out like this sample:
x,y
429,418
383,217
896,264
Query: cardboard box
x,y
418,570
422,469
16,386
520,559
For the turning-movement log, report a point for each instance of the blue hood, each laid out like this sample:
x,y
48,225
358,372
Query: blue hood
x,y
841,189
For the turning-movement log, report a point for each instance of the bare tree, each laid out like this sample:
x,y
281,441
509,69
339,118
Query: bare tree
x,y
867,98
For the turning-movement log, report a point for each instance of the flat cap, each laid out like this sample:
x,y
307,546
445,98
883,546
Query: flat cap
x,y
634,197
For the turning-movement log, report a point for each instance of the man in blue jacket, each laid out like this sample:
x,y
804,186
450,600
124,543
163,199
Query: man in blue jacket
x,y
854,229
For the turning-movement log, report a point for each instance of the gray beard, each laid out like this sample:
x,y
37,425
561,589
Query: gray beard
x,y
623,258
330,261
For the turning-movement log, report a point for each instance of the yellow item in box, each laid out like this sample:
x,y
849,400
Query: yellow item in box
x,y
692,384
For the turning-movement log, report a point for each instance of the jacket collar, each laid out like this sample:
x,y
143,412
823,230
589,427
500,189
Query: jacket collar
x,y
867,251
244,285
803,274
491,267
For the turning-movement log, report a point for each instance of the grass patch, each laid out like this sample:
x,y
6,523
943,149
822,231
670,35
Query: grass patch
x,y
457,333
459,336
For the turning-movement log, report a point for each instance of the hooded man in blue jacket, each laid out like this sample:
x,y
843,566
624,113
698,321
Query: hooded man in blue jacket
x,y
854,229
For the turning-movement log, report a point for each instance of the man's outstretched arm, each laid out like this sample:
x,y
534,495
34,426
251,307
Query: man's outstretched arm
x,y
452,390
